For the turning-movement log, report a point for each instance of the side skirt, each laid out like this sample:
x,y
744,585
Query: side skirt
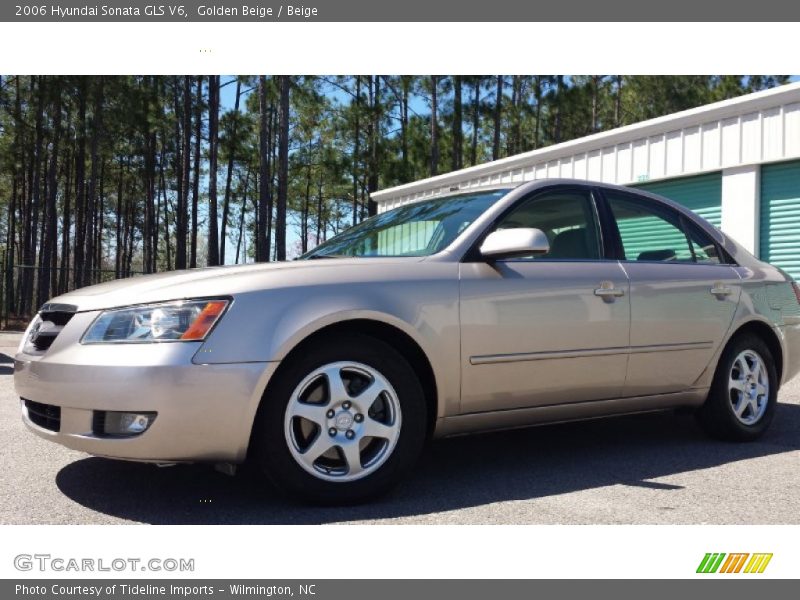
x,y
560,413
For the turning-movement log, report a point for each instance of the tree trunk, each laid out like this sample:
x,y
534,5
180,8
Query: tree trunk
x,y
63,271
374,132
517,145
182,215
262,243
149,233
241,216
34,201
305,211
498,109
511,139
458,133
163,196
213,145
320,219
178,171
434,126
356,148
558,102
273,160
229,177
47,274
122,222
118,220
18,182
476,113
198,135
80,185
91,201
283,168
537,94
99,223
183,125
404,128
131,238
618,103
147,175
155,103
10,235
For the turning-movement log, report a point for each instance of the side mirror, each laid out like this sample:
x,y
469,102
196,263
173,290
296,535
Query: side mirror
x,y
510,243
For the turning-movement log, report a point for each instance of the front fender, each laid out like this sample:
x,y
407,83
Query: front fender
x,y
266,326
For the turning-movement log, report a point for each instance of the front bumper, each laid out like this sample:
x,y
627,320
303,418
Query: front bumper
x,y
205,412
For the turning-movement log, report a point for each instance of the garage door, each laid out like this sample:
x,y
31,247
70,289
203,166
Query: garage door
x,y
780,216
702,194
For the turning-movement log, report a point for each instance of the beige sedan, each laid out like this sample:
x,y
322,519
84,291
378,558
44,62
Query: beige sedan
x,y
478,310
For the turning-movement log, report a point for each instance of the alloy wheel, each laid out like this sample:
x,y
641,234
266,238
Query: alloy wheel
x,y
748,387
342,421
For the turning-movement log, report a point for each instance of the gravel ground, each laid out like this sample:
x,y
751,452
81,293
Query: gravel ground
x,y
656,468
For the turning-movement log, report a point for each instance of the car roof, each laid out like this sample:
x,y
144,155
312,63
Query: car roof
x,y
585,183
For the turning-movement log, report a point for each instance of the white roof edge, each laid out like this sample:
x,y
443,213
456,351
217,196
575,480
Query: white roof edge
x,y
777,96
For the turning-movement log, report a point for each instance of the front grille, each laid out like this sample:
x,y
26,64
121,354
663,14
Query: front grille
x,y
45,416
57,317
52,322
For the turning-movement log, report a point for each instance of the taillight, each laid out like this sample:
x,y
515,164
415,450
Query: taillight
x,y
796,289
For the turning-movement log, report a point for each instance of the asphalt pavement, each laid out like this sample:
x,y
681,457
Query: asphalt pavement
x,y
654,468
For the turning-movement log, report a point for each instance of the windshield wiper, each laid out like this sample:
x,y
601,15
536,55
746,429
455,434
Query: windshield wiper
x,y
316,256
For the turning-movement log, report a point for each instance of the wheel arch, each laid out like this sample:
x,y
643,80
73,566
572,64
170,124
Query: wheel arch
x,y
400,340
754,326
765,332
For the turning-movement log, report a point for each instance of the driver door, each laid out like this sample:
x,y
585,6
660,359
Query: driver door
x,y
550,329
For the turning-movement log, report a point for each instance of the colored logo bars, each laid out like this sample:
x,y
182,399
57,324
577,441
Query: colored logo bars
x,y
717,562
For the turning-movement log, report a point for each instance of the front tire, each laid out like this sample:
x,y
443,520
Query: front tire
x,y
741,401
343,422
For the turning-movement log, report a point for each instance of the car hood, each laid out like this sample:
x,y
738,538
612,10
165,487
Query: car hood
x,y
232,280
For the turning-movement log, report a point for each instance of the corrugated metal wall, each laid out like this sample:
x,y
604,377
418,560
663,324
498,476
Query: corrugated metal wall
x,y
780,216
702,194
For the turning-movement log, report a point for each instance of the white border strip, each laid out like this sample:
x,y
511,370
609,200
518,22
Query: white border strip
x,y
397,48
412,551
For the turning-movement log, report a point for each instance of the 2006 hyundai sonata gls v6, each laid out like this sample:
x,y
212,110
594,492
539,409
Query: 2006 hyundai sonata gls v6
x,y
478,310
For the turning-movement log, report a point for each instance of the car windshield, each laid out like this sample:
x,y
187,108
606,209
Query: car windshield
x,y
418,229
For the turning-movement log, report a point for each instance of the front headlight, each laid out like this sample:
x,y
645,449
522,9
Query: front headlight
x,y
188,320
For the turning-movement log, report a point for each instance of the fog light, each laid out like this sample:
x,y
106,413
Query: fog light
x,y
123,423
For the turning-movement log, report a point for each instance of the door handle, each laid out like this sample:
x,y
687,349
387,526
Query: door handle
x,y
608,292
720,290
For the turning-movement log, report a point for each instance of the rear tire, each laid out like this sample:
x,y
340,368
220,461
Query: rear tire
x,y
741,402
343,422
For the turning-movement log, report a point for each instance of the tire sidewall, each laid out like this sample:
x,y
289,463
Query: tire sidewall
x,y
271,448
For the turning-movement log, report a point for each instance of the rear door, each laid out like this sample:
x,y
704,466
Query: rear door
x,y
683,294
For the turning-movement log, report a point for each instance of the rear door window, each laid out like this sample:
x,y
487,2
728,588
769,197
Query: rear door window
x,y
653,233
